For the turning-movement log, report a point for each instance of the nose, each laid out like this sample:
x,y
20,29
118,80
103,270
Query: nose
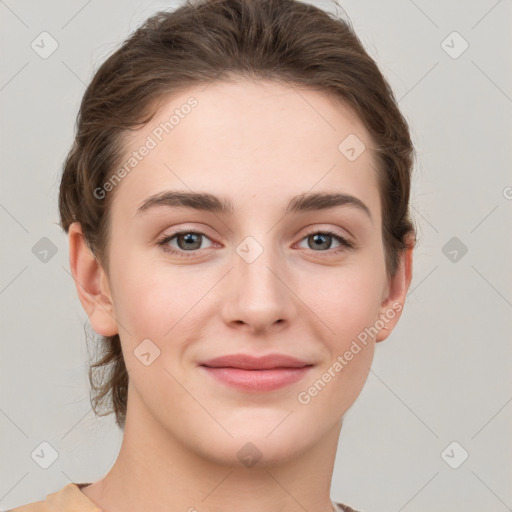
x,y
258,297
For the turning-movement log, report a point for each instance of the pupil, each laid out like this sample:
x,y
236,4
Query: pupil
x,y
320,239
190,239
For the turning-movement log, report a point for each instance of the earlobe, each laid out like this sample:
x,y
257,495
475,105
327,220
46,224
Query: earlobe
x,y
91,283
393,303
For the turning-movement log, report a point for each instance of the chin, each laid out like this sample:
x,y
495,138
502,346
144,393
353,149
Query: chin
x,y
255,443
256,451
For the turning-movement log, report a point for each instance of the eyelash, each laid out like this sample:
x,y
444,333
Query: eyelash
x,y
345,244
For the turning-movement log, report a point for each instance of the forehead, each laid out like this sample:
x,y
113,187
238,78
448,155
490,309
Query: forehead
x,y
249,140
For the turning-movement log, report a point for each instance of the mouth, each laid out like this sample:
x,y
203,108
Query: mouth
x,y
256,374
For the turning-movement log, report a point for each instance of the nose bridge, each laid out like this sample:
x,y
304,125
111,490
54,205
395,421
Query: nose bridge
x,y
256,264
258,296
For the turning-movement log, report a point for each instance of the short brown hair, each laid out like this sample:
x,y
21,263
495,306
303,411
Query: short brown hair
x,y
286,41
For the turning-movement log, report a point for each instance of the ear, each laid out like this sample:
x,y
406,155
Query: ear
x,y
91,283
394,296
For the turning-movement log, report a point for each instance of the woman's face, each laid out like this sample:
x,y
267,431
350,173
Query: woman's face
x,y
190,282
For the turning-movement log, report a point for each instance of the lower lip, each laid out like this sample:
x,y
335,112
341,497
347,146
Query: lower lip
x,y
258,380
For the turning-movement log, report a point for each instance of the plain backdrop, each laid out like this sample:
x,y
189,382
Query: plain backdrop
x,y
432,428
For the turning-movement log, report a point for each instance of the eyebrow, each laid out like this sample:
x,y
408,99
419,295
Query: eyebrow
x,y
208,202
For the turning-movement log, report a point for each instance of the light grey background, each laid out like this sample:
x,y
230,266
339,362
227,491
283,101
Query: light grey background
x,y
443,375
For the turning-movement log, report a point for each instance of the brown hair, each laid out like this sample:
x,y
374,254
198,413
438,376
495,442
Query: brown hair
x,y
286,41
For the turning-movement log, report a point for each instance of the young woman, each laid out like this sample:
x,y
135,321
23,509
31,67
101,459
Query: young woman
x,y
237,207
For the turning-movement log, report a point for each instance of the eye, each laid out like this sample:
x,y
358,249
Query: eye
x,y
191,241
323,240
188,241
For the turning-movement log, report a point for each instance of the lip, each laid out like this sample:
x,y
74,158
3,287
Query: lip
x,y
248,362
256,374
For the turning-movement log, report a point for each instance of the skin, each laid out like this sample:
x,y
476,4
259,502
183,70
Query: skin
x,y
253,142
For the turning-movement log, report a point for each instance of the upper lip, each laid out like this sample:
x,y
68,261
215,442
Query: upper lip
x,y
248,362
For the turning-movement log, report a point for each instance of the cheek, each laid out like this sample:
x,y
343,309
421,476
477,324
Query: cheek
x,y
349,307
148,307
347,301
154,300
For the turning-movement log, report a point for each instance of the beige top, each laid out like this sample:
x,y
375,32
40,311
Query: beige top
x,y
71,499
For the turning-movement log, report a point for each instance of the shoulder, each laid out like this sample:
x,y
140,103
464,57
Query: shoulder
x,y
345,508
36,506
70,497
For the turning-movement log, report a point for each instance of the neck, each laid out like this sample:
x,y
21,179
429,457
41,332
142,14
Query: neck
x,y
154,471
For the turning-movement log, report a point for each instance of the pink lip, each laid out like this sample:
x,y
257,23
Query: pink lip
x,y
257,374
